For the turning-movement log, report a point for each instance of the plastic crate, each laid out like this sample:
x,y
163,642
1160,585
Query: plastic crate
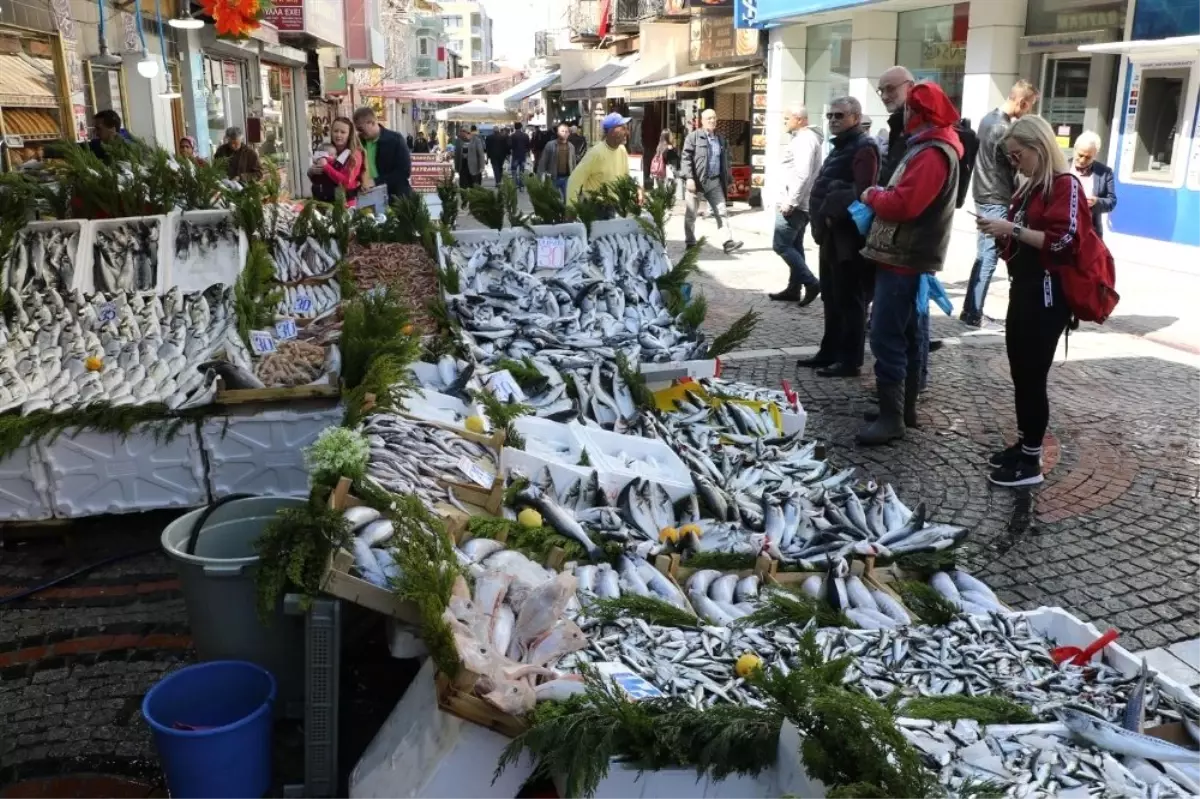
x,y
323,644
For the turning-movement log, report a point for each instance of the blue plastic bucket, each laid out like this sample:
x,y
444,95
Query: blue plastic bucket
x,y
212,729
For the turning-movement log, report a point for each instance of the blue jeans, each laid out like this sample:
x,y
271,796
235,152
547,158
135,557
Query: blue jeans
x,y
518,172
561,185
789,245
896,330
923,331
986,255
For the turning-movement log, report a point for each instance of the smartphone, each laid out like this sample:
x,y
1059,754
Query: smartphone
x,y
972,213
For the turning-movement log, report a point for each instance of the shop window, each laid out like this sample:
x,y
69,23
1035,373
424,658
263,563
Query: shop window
x,y
932,43
1159,119
1057,16
425,47
827,65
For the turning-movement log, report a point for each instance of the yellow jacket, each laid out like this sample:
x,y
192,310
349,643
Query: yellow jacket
x,y
601,164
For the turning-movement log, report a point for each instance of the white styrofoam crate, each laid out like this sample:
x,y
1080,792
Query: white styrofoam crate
x,y
1065,629
433,406
92,473
24,486
166,250
667,469
542,438
198,274
663,374
83,251
621,226
794,422
262,451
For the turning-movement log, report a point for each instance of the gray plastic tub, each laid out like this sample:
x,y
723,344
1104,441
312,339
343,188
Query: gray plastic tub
x,y
218,587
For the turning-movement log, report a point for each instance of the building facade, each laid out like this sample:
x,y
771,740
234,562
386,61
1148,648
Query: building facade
x,y
469,33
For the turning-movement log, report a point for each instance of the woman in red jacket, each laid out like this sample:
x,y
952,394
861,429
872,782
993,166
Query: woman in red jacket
x,y
1046,220
342,167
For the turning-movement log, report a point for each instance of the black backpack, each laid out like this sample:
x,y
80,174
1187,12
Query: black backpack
x,y
966,164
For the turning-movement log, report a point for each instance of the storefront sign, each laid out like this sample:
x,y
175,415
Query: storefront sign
x,y
745,13
1052,42
758,136
285,80
939,55
708,6
232,73
713,38
427,172
335,80
287,15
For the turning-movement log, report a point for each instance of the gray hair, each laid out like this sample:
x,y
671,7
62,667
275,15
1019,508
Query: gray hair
x,y
233,132
1087,140
854,105
798,111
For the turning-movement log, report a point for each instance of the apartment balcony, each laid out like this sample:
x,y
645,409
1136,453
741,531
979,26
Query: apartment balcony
x,y
545,44
583,17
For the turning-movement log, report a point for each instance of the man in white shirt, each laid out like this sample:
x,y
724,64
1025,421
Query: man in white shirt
x,y
799,166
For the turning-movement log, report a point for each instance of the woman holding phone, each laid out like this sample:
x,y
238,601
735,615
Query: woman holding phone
x,y
341,166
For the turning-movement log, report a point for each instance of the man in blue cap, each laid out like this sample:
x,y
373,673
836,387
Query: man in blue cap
x,y
602,163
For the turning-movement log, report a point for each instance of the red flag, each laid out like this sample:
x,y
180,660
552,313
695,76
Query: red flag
x,y
605,10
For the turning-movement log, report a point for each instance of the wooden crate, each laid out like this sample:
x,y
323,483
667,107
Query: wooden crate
x,y
671,565
457,700
241,396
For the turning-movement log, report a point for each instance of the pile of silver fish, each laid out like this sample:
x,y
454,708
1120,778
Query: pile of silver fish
x,y
310,300
965,592
205,243
411,457
374,562
126,256
147,349
720,598
306,259
40,259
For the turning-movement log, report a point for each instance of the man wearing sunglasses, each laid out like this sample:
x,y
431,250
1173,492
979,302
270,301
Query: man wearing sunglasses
x,y
845,276
993,186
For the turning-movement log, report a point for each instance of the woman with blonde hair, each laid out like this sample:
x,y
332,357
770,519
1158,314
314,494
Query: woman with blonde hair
x,y
1046,220
340,165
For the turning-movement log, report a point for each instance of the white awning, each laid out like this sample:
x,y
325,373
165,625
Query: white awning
x,y
529,87
593,84
1141,48
667,88
475,111
687,77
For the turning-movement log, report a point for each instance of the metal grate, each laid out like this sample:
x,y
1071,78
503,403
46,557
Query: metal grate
x,y
322,648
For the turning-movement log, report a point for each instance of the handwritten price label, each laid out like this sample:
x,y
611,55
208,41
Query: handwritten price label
x,y
303,304
108,312
551,252
504,387
285,329
476,473
262,342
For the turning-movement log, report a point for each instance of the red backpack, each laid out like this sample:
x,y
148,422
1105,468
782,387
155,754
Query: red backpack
x,y
658,166
1090,283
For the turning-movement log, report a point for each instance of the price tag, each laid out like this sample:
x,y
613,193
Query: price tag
x,y
262,342
303,304
551,252
633,685
285,329
504,387
108,312
476,473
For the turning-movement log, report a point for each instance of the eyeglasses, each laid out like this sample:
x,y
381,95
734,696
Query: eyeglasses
x,y
835,115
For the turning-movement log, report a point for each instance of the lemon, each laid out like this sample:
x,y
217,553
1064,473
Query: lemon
x,y
94,364
476,424
747,664
407,330
691,529
668,535
529,518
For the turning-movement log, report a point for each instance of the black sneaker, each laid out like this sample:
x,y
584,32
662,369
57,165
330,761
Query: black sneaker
x,y
971,320
811,292
1025,472
732,246
1005,457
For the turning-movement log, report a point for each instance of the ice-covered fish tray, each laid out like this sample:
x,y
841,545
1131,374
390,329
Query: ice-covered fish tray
x,y
129,253
621,459
24,486
204,247
252,451
93,473
59,249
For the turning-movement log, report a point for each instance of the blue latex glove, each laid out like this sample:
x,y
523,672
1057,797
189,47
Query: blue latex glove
x,y
930,288
862,215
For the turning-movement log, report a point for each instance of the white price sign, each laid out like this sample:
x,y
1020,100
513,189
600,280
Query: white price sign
x,y
303,304
476,473
551,252
504,387
262,342
107,312
285,329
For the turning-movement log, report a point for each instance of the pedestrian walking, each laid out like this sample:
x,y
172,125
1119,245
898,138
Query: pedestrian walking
x,y
341,167
907,241
1039,235
705,168
497,152
421,144
1096,178
846,278
603,163
578,142
992,189
242,162
387,157
798,170
519,147
664,167
558,159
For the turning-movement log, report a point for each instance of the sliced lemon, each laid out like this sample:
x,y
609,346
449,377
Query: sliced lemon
x,y
476,424
529,518
747,664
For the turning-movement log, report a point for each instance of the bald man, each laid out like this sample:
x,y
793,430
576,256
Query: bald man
x,y
893,88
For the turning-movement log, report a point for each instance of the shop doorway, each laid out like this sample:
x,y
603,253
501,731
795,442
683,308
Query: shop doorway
x,y
1065,84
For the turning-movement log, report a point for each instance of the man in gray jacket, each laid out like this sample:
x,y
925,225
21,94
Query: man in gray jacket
x,y
706,170
799,165
558,159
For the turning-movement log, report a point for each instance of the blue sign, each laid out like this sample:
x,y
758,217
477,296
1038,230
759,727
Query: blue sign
x,y
767,13
745,13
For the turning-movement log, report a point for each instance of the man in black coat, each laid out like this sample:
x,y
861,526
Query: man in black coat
x,y
388,158
847,279
1097,179
519,148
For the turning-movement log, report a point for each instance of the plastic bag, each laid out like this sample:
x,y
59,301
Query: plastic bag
x,y
862,216
930,288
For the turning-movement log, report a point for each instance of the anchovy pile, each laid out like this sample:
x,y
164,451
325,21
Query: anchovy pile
x,y
62,353
126,257
410,457
204,243
41,259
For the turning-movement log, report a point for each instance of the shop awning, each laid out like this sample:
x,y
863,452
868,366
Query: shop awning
x,y
529,87
445,84
476,111
594,84
1147,48
667,87
27,82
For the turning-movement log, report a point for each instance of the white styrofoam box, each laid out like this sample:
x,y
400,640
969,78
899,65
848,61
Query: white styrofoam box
x,y
794,421
92,473
544,441
166,250
253,451
83,251
620,226
567,230
198,273
423,751
1065,629
24,486
662,374
789,777
654,461
404,640
441,408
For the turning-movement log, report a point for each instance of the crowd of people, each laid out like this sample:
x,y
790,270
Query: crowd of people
x,y
881,211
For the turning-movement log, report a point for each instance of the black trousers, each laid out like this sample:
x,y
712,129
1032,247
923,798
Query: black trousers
x,y
846,290
1037,316
464,180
